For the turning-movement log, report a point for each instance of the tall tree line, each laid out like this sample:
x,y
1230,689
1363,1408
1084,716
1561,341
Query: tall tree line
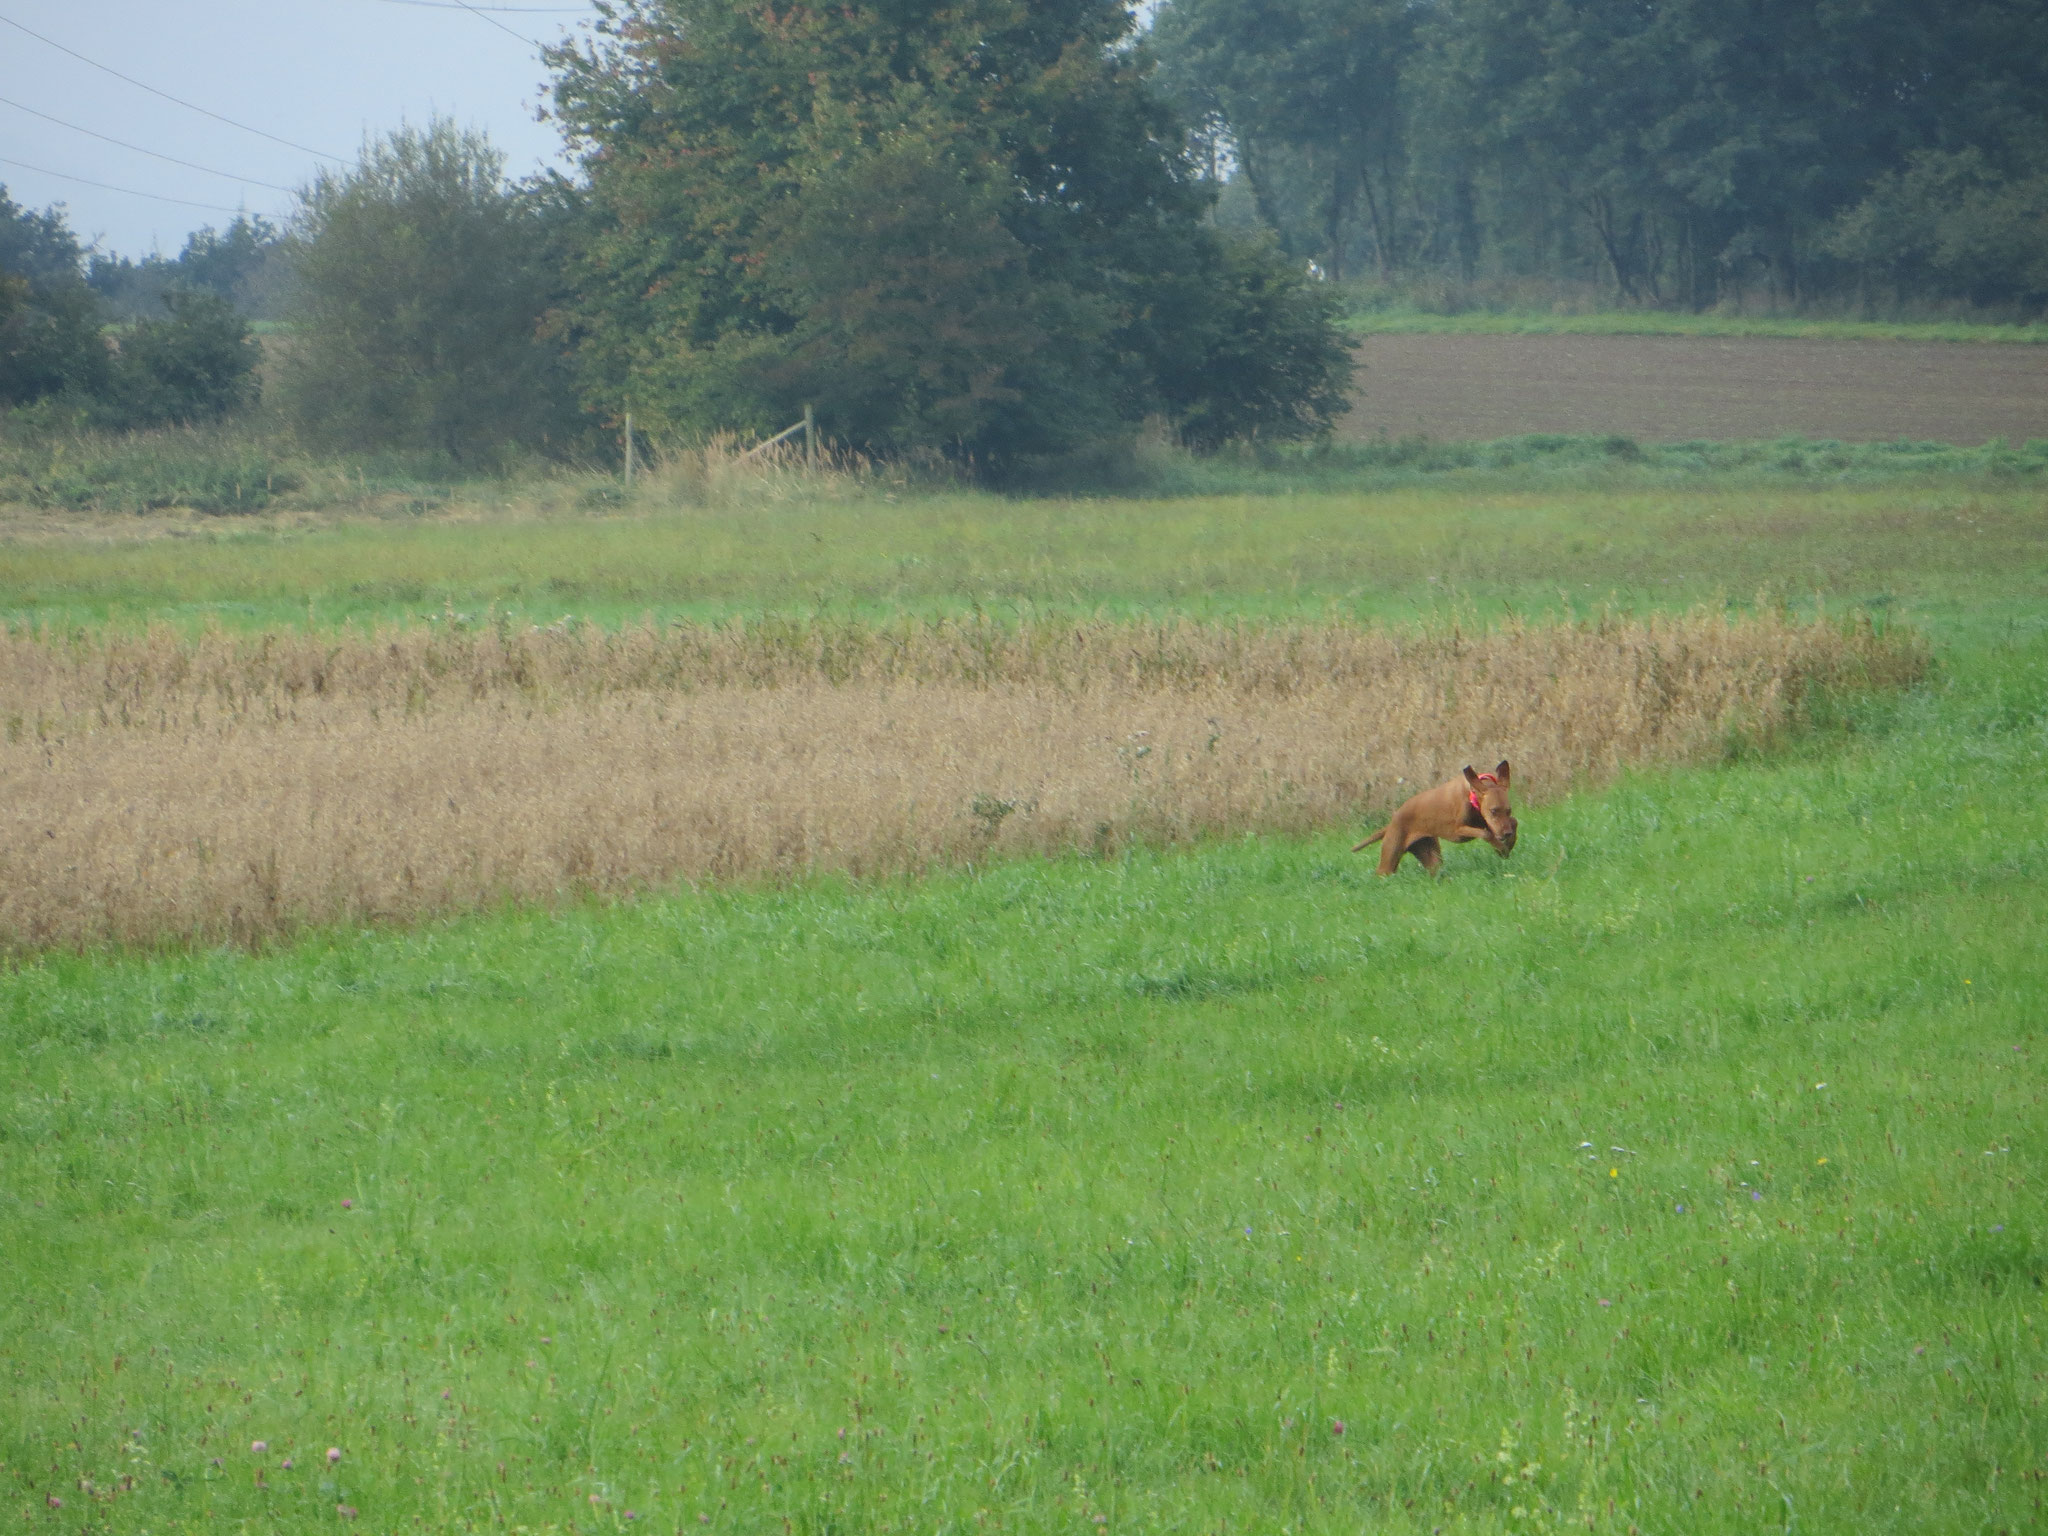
x,y
1003,231
971,229
244,264
1674,151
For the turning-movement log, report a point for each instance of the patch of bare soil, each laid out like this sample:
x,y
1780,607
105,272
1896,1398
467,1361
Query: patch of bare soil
x,y
1677,388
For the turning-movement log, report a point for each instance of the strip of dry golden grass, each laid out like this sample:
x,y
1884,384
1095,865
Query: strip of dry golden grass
x,y
158,788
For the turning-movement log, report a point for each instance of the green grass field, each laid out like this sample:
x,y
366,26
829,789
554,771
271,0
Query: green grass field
x,y
1956,542
1682,1174
1656,322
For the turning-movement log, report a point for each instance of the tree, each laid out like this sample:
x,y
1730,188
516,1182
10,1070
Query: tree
x,y
422,284
233,263
917,318
968,228
1675,150
1953,224
1320,77
242,264
198,363
38,246
50,340
195,363
1265,359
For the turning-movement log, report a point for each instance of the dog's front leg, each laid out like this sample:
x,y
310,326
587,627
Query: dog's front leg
x,y
1500,845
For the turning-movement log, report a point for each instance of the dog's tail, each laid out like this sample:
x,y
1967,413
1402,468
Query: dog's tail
x,y
1370,840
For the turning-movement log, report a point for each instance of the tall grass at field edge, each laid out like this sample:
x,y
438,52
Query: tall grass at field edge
x,y
243,470
240,789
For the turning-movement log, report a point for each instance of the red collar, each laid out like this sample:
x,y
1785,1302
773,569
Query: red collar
x,y
1473,798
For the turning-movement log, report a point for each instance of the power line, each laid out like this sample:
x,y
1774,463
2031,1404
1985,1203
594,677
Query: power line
x,y
167,96
123,143
105,186
485,16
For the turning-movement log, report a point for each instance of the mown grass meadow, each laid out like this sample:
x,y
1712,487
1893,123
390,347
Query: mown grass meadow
x,y
1484,540
1679,1174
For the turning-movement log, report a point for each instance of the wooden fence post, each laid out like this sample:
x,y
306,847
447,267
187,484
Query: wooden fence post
x,y
629,450
810,439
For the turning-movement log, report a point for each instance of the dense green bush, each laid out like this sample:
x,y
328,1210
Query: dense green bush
x,y
60,464
50,341
198,363
1263,358
1953,224
421,285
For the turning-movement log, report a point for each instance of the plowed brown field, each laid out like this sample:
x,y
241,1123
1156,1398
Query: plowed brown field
x,y
1674,388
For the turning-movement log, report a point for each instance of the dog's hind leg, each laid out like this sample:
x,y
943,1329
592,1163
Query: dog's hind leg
x,y
1394,843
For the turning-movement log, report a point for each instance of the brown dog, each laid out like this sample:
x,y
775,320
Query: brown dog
x,y
1475,806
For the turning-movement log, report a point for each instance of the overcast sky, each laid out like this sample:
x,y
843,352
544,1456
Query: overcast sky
x,y
318,73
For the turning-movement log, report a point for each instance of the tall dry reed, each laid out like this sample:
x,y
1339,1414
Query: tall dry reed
x,y
154,787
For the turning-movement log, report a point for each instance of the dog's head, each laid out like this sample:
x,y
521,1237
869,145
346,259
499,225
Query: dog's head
x,y
1489,793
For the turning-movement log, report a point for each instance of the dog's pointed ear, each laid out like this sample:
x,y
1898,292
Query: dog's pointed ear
x,y
1501,772
1471,777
